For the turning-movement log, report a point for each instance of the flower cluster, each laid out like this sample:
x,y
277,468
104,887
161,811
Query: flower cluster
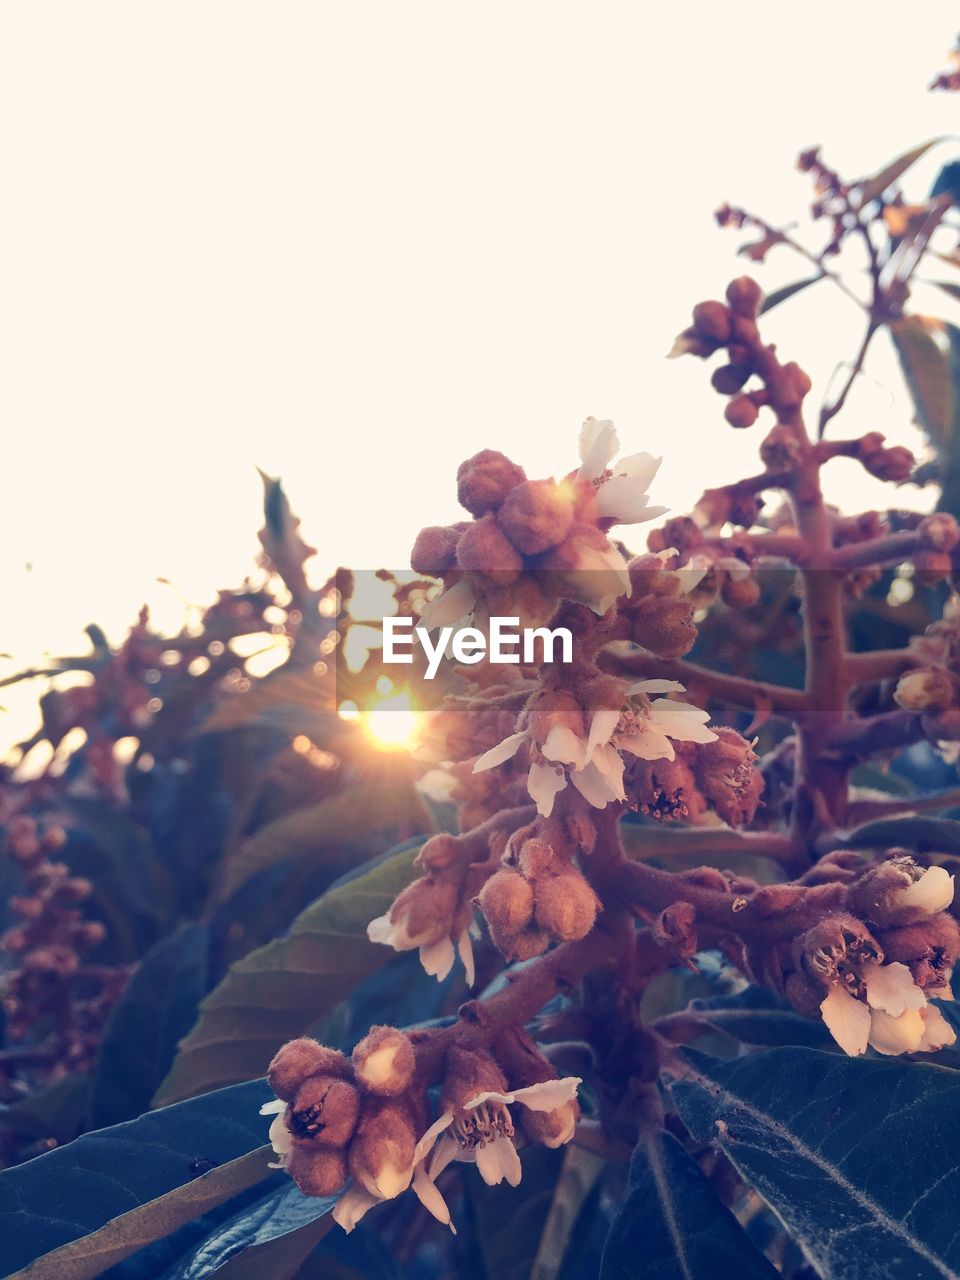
x,y
52,993
366,1120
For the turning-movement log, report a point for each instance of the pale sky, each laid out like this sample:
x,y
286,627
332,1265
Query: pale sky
x,y
354,243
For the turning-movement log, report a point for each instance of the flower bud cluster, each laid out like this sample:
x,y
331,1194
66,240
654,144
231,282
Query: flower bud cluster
x,y
366,1119
882,950
50,988
541,897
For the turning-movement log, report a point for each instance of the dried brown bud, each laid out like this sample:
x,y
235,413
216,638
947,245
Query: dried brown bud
x,y
780,451
739,593
712,320
384,1061
434,550
744,296
531,942
741,412
674,927
566,906
537,515
894,464
381,1153
299,1059
506,901
925,690
539,858
485,548
940,532
317,1171
729,378
324,1109
484,480
439,852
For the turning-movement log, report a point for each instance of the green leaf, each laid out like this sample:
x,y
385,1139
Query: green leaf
x,y
579,1175
676,1223
112,1192
857,1157
283,1258
911,831
337,821
926,368
756,1016
58,1110
873,188
158,1008
787,291
278,1216
279,991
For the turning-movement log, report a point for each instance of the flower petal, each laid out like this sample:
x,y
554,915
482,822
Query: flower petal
x,y
641,466
937,1031
280,1137
543,784
437,958
609,763
601,729
891,987
562,744
351,1207
656,686
549,1094
426,1143
648,745
501,752
382,930
274,1108
592,785
465,952
624,499
933,892
890,1035
449,608
598,447
848,1020
497,1160
429,1196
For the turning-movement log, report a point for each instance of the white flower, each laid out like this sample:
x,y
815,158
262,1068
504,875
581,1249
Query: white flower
x,y
894,1018
621,488
932,893
482,1133
451,608
643,728
436,957
278,1135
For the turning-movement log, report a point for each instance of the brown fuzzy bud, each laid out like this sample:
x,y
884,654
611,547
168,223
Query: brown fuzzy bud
x,y
555,707
566,906
88,934
506,901
894,464
531,942
537,515
729,378
940,532
423,912
665,627
899,892
317,1171
299,1059
434,550
439,852
726,775
929,948
925,691
666,790
539,858
324,1109
712,320
780,451
384,1062
469,1072
552,1128
744,296
674,928
741,412
532,600
484,480
739,593
381,1153
484,548
794,384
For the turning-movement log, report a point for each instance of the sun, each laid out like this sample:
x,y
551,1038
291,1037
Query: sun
x,y
392,724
